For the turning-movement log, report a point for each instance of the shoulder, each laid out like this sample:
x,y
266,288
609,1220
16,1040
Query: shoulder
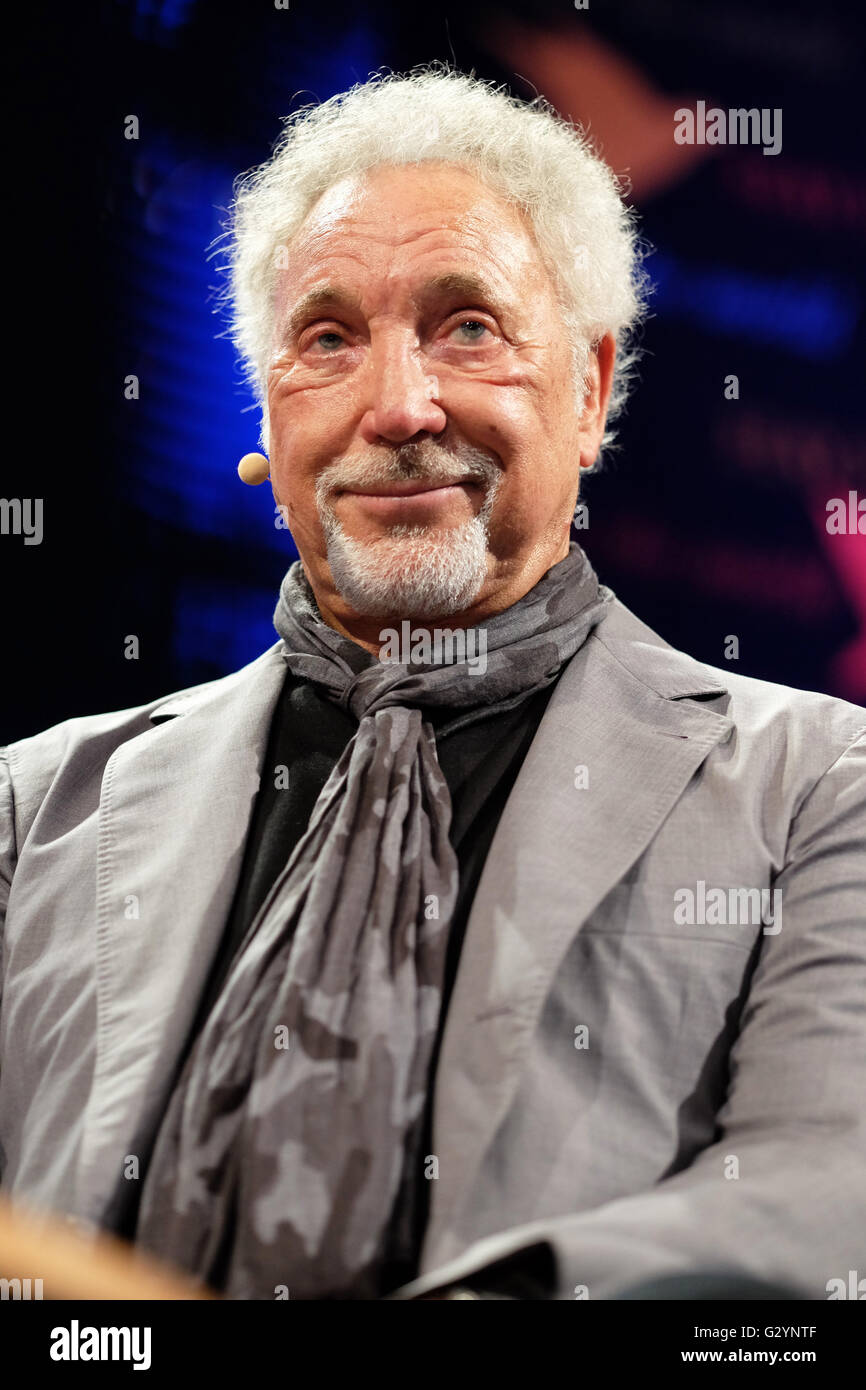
x,y
777,722
83,745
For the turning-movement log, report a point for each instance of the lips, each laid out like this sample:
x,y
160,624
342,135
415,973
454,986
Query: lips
x,y
406,489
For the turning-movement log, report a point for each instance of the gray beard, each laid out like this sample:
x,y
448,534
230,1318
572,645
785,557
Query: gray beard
x,y
413,571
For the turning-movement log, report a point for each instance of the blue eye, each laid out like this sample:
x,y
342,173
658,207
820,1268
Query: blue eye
x,y
321,336
473,323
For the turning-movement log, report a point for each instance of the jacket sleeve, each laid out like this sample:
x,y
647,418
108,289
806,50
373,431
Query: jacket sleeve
x,y
780,1196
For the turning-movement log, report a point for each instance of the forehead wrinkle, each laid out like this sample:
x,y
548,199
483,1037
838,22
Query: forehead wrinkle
x,y
383,224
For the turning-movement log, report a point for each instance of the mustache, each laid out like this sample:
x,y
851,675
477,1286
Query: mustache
x,y
410,463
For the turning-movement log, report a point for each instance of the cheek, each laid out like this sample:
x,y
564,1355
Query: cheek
x,y
493,417
294,485
309,428
537,486
300,431
292,477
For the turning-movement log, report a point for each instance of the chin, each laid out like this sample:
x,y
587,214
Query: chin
x,y
411,571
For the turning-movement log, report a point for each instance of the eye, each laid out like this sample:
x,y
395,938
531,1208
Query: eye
x,y
329,334
472,325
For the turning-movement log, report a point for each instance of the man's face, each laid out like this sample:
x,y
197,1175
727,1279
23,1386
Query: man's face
x,y
424,436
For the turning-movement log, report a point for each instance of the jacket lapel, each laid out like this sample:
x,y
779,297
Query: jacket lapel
x,y
174,812
558,850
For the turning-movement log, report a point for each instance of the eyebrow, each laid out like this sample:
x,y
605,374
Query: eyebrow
x,y
453,282
326,296
460,283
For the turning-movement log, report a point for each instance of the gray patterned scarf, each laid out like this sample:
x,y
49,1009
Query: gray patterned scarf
x,y
295,1123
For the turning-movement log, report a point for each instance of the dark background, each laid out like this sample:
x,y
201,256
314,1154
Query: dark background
x,y
710,519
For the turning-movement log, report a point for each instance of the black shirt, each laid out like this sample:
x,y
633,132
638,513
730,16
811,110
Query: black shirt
x,y
479,760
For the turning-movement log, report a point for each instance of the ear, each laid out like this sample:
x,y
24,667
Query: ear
x,y
599,374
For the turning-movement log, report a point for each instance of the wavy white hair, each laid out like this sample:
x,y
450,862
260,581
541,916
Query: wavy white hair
x,y
522,151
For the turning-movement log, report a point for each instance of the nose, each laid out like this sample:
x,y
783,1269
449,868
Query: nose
x,y
401,394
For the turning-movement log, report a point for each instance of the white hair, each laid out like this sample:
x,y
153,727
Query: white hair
x,y
522,151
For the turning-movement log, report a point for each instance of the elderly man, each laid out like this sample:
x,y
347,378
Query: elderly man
x,y
471,940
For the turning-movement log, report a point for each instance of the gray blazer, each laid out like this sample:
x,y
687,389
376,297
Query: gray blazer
x,y
646,1069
